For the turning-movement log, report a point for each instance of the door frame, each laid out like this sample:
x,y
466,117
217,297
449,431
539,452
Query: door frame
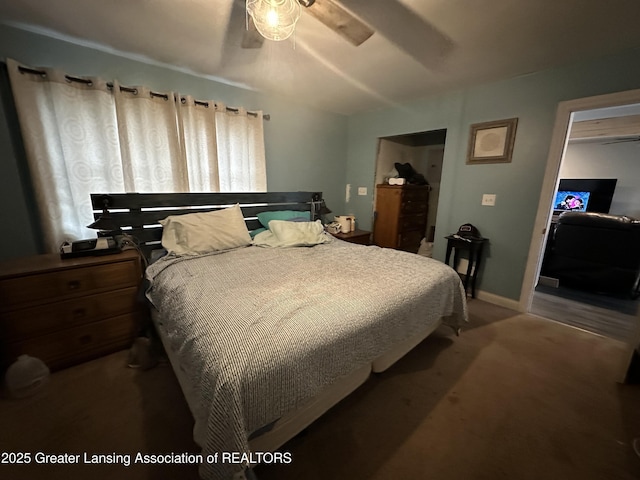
x,y
559,140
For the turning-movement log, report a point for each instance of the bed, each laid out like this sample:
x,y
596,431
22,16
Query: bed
x,y
264,340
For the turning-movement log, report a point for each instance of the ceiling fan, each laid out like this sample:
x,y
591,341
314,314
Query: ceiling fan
x,y
357,20
623,140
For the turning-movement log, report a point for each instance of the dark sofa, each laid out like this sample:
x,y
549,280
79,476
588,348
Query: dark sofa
x,y
595,252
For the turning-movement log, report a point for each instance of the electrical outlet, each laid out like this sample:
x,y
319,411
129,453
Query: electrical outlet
x,y
489,199
362,190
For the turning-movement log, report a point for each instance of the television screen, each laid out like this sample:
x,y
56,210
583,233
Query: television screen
x,y
601,191
571,200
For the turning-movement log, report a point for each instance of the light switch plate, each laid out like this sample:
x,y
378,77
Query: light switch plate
x,y
362,190
489,199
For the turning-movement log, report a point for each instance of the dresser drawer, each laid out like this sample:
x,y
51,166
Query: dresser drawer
x,y
410,241
18,324
40,287
415,195
413,222
413,206
77,344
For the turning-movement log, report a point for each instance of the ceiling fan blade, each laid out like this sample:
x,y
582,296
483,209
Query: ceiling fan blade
x,y
339,20
404,28
251,38
622,140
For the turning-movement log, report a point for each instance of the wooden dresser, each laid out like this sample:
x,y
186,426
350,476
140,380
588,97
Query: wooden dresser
x,y
401,216
65,312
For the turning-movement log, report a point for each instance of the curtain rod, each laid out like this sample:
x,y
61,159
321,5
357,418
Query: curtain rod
x,y
133,90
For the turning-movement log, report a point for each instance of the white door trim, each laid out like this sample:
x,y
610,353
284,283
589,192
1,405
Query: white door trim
x,y
556,152
559,139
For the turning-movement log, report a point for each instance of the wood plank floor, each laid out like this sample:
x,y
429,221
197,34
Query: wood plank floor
x,y
608,316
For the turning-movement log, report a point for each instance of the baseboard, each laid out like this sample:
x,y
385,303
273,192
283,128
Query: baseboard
x,y
498,300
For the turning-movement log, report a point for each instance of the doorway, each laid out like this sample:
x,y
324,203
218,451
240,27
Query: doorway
x,y
599,169
424,151
567,113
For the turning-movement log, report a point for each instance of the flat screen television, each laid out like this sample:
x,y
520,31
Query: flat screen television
x,y
569,200
598,192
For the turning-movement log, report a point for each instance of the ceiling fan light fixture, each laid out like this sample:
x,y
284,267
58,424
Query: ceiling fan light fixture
x,y
274,19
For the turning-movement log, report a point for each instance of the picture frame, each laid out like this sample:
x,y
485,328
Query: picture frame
x,y
492,142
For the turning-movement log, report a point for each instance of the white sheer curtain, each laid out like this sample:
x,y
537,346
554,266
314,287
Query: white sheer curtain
x,y
241,157
198,129
152,156
71,141
82,136
224,147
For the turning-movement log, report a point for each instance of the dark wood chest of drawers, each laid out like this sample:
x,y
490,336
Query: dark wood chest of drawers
x,y
68,311
401,216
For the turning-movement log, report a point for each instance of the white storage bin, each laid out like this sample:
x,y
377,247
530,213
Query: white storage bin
x,y
26,376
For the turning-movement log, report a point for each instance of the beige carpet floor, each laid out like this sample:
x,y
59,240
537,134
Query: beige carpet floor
x,y
514,397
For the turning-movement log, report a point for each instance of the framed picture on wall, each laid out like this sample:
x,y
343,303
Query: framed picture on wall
x,y
492,142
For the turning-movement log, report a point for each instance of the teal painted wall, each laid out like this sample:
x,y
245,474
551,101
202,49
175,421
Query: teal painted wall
x,y
533,99
312,150
305,148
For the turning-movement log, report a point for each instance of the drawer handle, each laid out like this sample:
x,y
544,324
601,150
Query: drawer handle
x,y
73,284
85,339
79,313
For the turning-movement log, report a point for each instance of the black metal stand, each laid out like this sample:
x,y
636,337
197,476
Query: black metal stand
x,y
474,247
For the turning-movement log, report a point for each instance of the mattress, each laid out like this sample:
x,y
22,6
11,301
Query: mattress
x,y
257,333
293,422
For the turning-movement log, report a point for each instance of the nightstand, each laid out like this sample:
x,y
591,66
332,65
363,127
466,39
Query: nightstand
x,y
361,237
65,312
474,248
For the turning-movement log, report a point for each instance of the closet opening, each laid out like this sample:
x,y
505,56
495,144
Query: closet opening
x,y
424,152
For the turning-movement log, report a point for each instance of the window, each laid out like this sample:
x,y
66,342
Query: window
x,y
84,135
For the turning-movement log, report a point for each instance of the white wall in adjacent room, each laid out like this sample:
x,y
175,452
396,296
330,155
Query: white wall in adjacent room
x,y
602,160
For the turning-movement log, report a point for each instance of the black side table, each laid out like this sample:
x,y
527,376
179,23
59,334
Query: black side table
x,y
474,248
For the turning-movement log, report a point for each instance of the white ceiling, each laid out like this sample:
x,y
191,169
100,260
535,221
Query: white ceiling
x,y
489,40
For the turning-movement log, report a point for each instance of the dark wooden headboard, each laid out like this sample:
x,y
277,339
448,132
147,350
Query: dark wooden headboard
x,y
138,214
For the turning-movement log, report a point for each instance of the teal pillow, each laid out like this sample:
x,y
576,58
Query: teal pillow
x,y
288,215
253,233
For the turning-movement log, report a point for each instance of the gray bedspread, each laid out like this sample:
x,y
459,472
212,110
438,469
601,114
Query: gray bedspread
x,y
258,331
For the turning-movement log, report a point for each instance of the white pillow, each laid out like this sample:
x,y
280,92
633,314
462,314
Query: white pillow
x,y
198,233
282,233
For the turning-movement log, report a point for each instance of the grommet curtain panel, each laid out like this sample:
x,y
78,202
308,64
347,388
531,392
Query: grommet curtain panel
x,y
84,135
